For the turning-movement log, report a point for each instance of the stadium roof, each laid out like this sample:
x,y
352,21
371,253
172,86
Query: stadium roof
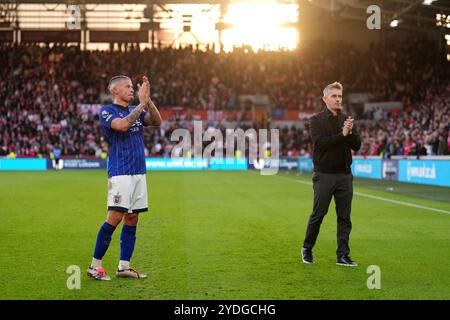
x,y
414,14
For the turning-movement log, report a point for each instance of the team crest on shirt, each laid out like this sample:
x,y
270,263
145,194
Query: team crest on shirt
x,y
117,198
106,115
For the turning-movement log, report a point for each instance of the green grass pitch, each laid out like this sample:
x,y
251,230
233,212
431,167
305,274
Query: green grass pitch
x,y
220,235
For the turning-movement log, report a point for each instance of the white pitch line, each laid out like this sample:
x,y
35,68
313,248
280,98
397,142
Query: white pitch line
x,y
404,203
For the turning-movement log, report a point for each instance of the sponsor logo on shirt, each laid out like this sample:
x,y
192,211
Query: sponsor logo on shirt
x,y
106,115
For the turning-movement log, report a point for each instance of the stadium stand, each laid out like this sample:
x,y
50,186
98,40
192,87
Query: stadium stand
x,y
41,88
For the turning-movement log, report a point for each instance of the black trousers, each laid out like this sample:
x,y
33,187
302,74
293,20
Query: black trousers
x,y
327,185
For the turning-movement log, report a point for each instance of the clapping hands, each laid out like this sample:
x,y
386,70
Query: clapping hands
x,y
348,126
144,90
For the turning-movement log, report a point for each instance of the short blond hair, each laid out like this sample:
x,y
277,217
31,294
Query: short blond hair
x,y
331,86
116,79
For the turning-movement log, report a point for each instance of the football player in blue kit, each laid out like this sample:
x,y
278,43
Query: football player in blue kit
x,y
123,128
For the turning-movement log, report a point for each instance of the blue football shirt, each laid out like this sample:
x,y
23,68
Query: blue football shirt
x,y
126,149
57,152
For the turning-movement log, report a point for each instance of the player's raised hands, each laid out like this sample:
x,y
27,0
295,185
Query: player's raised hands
x,y
145,80
144,91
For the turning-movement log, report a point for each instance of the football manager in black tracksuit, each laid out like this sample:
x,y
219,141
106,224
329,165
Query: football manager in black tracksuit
x,y
333,136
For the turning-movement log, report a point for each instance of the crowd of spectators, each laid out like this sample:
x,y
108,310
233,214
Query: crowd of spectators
x,y
41,88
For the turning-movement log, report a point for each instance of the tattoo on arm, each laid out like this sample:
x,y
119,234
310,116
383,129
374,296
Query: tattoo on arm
x,y
131,118
154,115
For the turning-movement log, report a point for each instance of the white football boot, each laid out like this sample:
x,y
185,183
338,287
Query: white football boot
x,y
98,274
130,273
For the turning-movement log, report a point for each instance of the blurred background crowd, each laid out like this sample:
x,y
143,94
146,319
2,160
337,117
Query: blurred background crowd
x,y
41,89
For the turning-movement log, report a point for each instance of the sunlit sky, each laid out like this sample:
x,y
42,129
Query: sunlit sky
x,y
258,24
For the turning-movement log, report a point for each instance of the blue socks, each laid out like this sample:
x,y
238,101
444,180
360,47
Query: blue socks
x,y
103,240
127,241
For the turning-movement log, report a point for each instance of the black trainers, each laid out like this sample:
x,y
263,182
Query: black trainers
x,y
307,256
345,260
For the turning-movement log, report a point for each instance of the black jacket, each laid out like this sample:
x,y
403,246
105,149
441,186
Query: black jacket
x,y
329,143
